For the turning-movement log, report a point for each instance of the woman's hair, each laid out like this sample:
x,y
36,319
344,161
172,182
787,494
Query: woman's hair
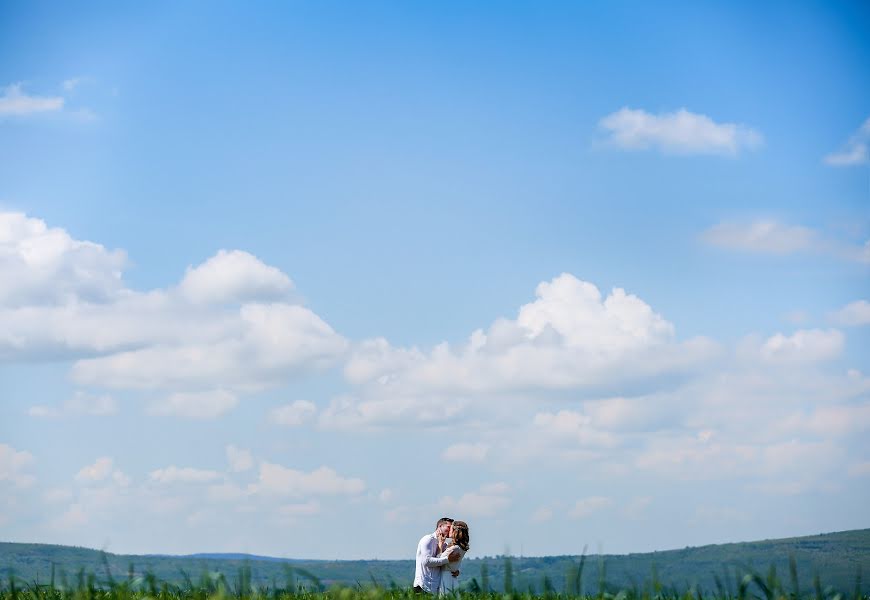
x,y
460,535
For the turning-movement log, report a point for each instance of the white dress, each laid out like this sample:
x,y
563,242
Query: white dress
x,y
448,582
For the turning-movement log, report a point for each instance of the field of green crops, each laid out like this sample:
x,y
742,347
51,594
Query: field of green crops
x,y
302,585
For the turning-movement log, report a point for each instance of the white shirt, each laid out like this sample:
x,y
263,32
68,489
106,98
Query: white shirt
x,y
428,572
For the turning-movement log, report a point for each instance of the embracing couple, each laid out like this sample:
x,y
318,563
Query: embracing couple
x,y
438,552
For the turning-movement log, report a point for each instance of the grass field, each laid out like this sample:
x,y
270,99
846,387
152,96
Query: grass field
x,y
300,584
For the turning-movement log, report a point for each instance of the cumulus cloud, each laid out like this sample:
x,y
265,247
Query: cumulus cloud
x,y
853,314
194,405
234,277
228,324
269,344
280,480
48,267
13,466
570,338
803,346
854,151
14,102
173,474
680,132
465,452
293,414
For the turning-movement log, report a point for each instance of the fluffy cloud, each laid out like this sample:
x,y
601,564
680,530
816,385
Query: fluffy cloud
x,y
854,151
680,132
269,344
229,323
570,338
16,103
853,314
13,464
173,474
194,405
234,277
293,414
48,267
805,345
280,480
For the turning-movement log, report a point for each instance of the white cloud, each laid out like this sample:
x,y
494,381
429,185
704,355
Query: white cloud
x,y
574,425
49,267
68,300
569,338
234,277
16,103
680,132
293,414
587,506
805,345
173,474
194,405
488,501
100,470
81,403
239,459
767,237
13,464
269,344
277,479
853,314
854,151
464,452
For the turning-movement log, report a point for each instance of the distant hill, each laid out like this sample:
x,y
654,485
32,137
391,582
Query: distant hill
x,y
836,557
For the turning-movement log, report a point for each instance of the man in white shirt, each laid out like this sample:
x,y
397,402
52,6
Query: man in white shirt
x,y
427,577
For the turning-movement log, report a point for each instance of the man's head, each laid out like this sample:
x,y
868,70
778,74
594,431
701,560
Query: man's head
x,y
442,528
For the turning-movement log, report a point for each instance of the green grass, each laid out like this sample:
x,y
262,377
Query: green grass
x,y
821,567
299,584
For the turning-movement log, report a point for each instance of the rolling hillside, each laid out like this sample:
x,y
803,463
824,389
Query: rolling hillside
x,y
836,557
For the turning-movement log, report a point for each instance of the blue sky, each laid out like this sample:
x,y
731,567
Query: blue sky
x,y
580,274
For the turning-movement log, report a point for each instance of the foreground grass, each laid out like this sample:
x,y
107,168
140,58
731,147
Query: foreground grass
x,y
300,584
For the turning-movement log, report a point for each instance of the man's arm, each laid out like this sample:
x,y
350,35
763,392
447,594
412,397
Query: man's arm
x,y
427,551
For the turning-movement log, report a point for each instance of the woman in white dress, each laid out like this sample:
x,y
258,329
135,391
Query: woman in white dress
x,y
458,540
